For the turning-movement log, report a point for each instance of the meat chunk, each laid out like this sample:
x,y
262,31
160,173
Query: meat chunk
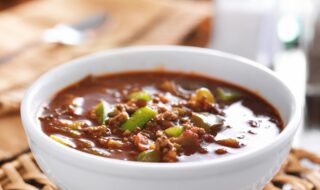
x,y
190,142
118,116
229,142
166,148
97,131
141,142
169,86
118,119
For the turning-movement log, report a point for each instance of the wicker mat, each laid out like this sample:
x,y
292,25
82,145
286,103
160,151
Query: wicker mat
x,y
301,171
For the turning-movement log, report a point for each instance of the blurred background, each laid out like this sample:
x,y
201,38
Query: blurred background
x,y
36,35
283,35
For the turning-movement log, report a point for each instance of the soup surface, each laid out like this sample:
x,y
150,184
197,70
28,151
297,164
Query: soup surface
x,y
157,116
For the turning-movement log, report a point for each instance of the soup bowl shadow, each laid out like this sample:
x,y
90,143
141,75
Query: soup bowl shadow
x,y
71,169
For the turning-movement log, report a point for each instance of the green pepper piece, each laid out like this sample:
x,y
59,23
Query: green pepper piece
x,y
205,120
139,118
61,141
174,131
140,95
203,93
227,94
149,156
101,111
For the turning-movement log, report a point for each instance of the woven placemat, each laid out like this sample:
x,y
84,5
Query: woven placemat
x,y
301,171
23,174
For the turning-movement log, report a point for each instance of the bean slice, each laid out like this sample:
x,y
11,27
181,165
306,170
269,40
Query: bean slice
x,y
227,94
174,131
138,119
203,93
140,95
149,156
62,141
101,112
205,120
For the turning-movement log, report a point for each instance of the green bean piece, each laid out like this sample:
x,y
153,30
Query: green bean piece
x,y
174,131
139,118
140,95
227,94
149,156
101,112
204,93
205,120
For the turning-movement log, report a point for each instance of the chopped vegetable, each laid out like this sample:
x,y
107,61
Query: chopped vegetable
x,y
101,112
174,131
139,118
227,94
205,120
140,95
152,146
76,125
149,156
203,93
62,140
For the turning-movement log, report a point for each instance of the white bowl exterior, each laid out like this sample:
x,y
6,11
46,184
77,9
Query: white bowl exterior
x,y
252,174
72,169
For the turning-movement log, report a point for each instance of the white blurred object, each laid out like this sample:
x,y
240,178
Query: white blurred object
x,y
291,67
297,20
246,28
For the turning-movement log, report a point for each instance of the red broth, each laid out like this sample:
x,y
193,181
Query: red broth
x,y
154,116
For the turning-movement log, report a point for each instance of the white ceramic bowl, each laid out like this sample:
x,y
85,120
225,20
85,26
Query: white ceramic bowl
x,y
74,170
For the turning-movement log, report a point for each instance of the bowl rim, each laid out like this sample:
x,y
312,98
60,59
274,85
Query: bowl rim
x,y
92,160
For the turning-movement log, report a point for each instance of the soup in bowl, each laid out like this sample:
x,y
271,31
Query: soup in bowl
x,y
160,117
